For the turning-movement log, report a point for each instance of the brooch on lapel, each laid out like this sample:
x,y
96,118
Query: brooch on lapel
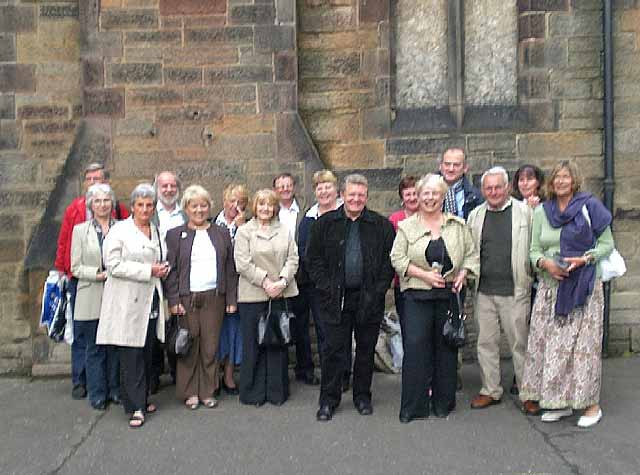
x,y
183,235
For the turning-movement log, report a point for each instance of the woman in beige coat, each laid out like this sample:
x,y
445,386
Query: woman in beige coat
x,y
103,377
132,304
266,258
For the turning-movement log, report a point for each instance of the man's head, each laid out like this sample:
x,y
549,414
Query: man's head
x,y
167,186
285,187
94,173
495,187
453,165
355,191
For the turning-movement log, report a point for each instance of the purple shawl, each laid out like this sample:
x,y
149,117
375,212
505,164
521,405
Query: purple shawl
x,y
577,237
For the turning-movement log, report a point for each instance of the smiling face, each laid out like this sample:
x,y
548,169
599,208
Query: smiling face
x,y
92,177
197,211
101,205
142,210
264,211
528,185
495,191
167,189
563,183
326,194
430,199
410,199
355,199
284,188
453,166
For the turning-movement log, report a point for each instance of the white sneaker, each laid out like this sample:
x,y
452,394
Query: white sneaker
x,y
588,421
555,416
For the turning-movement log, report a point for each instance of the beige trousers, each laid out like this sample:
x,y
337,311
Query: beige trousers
x,y
492,312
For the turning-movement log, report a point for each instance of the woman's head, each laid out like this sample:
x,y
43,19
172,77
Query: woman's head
x,y
564,180
234,200
408,193
143,202
325,186
528,181
100,200
265,206
196,203
431,190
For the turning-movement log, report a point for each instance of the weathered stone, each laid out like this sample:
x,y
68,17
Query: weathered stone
x,y
285,66
248,55
11,250
376,123
9,137
531,26
106,44
153,97
7,47
42,112
135,127
257,14
197,57
373,11
321,64
412,146
55,41
335,19
276,97
333,127
173,136
103,102
50,127
17,78
231,34
192,7
542,5
238,74
143,163
241,125
53,12
204,20
505,142
183,75
134,73
275,38
92,72
228,93
358,155
153,38
584,23
23,199
240,108
353,99
128,19
560,145
7,106
343,40
285,11
250,147
17,19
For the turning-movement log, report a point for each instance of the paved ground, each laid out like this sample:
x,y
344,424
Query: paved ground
x,y
44,431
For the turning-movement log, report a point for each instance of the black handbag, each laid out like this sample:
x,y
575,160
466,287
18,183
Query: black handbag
x,y
179,340
453,330
273,327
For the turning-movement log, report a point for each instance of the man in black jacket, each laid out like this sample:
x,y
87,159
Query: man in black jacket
x,y
348,260
462,196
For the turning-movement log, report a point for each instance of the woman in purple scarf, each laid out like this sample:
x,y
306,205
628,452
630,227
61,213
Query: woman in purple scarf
x,y
571,232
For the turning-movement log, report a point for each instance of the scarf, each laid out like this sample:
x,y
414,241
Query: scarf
x,y
576,237
450,202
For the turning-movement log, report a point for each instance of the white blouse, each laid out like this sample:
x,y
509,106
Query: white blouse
x,y
204,274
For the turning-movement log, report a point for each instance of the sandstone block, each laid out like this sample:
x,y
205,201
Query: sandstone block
x,y
285,11
183,75
204,20
492,142
323,64
195,56
49,127
330,20
358,155
258,14
151,97
192,7
55,41
7,106
9,135
22,199
578,24
353,99
249,147
56,12
376,123
635,338
374,11
135,127
238,74
559,145
415,146
240,125
275,38
276,97
42,111
286,66
15,19
134,73
231,34
11,250
333,127
7,47
228,93
531,26
173,136
17,78
293,139
129,19
342,40
542,5
153,38
103,102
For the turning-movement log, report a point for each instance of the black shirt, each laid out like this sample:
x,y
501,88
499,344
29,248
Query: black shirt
x,y
353,256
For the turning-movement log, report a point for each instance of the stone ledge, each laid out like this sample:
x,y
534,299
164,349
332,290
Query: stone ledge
x,y
51,369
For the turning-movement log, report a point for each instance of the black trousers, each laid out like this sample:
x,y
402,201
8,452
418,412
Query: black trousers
x,y
300,334
135,372
335,361
264,373
428,360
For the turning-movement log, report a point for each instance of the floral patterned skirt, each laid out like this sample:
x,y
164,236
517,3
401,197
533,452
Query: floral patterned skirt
x,y
563,363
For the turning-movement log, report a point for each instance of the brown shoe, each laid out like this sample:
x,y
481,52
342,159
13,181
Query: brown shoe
x,y
481,401
531,408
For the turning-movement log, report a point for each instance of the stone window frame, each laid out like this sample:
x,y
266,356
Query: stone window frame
x,y
527,115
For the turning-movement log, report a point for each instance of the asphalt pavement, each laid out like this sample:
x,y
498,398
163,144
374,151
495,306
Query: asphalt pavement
x,y
44,431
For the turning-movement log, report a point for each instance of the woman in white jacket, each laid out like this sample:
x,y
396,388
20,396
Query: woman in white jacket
x,y
132,304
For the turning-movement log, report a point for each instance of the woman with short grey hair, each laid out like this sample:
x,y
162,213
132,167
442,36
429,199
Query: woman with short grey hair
x,y
132,311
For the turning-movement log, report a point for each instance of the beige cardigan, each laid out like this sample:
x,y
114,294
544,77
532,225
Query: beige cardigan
x,y
260,253
411,243
86,262
128,290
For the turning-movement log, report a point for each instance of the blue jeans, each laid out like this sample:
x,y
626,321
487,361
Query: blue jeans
x,y
102,364
79,345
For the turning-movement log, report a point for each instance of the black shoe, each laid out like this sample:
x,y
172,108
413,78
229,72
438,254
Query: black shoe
x,y
364,407
406,418
324,414
79,392
440,412
99,405
310,379
346,384
115,400
514,388
234,391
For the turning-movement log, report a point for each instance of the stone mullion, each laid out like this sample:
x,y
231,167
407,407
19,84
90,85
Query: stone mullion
x,y
455,48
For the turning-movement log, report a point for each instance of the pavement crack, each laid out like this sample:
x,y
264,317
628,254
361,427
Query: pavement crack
x,y
77,445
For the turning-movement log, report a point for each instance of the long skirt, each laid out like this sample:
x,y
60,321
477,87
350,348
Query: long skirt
x,y
563,363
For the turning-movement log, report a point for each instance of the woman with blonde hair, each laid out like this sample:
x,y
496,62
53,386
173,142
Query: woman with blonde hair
x,y
200,288
266,258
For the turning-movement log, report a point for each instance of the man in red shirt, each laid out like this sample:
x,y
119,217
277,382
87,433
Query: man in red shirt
x,y
77,213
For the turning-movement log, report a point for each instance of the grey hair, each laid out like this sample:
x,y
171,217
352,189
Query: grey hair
x,y
143,190
354,179
500,171
432,179
175,177
195,192
95,166
99,188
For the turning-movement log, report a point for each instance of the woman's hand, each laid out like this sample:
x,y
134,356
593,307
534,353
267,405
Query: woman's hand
x,y
273,288
434,279
177,309
160,269
231,309
460,280
575,262
101,276
557,272
533,201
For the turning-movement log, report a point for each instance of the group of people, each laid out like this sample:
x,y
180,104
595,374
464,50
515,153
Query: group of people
x,y
334,262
